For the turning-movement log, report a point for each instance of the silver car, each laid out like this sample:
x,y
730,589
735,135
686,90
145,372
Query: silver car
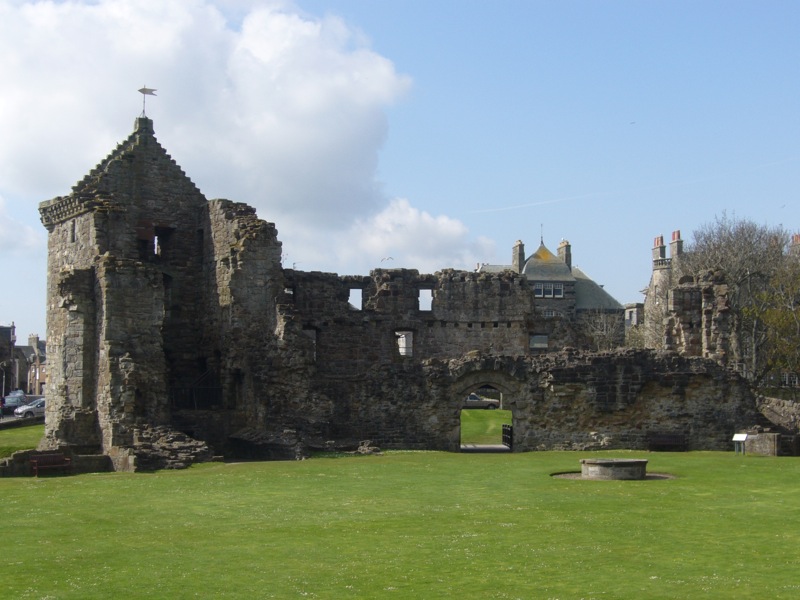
x,y
476,401
34,409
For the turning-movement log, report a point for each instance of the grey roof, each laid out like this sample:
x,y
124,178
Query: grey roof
x,y
591,296
543,265
486,268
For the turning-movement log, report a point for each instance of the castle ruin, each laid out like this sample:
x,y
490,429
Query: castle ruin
x,y
173,327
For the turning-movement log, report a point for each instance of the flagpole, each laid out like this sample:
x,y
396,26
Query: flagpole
x,y
145,92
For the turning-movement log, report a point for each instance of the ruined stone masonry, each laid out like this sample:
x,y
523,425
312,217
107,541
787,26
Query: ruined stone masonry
x,y
173,328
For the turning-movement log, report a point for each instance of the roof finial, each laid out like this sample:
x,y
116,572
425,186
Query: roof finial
x,y
145,92
541,233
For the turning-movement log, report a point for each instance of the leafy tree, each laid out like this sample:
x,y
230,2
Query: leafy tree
x,y
750,256
779,310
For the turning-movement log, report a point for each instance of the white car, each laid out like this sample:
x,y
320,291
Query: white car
x,y
34,409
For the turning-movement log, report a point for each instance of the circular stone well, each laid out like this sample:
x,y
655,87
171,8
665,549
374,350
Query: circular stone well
x,y
613,468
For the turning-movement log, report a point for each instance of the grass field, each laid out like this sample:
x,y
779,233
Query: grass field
x,y
408,525
483,426
19,438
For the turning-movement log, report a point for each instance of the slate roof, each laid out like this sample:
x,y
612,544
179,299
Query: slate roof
x,y
590,295
543,265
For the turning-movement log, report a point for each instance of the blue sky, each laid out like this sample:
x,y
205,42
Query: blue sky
x,y
434,132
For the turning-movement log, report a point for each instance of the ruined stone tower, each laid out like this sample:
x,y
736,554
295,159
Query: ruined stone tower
x,y
661,281
132,290
687,314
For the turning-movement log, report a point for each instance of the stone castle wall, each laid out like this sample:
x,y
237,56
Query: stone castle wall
x,y
170,312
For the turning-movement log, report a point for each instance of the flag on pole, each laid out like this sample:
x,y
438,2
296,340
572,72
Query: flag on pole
x,y
145,92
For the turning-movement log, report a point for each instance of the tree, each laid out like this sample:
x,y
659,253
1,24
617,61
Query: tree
x,y
605,330
780,312
750,255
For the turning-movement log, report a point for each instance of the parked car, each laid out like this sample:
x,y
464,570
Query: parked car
x,y
475,401
13,401
34,409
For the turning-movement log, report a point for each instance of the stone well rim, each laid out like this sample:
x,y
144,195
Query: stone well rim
x,y
620,462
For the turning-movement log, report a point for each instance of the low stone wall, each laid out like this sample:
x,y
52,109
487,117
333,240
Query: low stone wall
x,y
9,422
762,444
18,464
783,413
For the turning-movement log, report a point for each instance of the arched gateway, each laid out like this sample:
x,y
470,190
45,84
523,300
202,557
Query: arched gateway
x,y
585,401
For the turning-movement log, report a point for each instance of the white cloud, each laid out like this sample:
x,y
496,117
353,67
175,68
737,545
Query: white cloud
x,y
257,101
284,112
399,236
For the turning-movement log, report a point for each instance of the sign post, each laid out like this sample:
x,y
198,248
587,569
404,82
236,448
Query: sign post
x,y
739,440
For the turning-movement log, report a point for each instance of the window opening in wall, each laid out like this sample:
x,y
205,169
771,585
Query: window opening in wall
x,y
72,231
538,290
558,290
537,341
425,299
161,239
548,290
356,298
405,342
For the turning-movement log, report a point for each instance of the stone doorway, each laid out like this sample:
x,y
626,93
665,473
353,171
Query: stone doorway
x,y
483,416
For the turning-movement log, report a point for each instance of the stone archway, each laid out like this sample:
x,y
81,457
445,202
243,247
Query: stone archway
x,y
453,380
487,430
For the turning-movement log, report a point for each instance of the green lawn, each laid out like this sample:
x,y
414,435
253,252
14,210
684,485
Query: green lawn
x,y
409,525
19,438
483,426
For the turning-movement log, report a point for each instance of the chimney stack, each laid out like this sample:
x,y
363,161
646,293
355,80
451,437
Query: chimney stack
x,y
676,245
565,253
518,256
659,249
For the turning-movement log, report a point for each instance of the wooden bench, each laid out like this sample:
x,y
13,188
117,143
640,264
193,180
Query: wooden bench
x,y
660,441
50,460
